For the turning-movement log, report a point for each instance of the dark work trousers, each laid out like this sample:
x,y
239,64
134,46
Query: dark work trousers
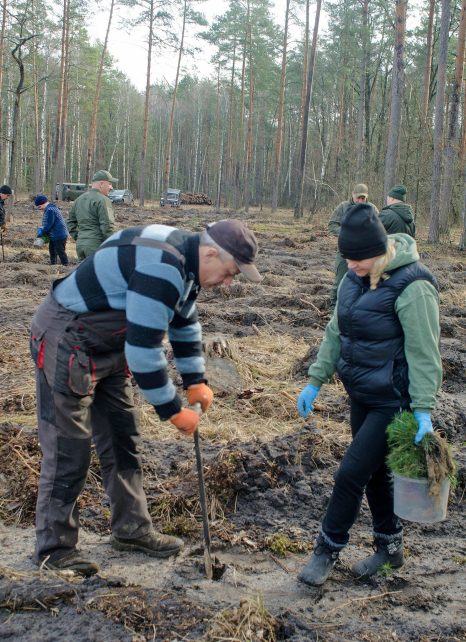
x,y
58,248
363,468
82,397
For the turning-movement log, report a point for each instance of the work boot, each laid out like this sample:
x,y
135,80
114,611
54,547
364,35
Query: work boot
x,y
388,550
320,565
153,544
72,561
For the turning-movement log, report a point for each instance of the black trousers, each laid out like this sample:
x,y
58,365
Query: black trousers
x,y
58,248
363,468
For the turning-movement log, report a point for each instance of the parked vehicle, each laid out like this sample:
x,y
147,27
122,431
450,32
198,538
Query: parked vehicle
x,y
71,191
172,197
121,196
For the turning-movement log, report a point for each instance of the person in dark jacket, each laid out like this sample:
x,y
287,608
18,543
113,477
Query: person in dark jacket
x,y
54,226
5,193
397,216
103,322
383,340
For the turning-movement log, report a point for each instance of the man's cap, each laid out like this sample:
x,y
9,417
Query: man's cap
x,y
398,192
103,175
5,189
361,189
362,235
40,200
237,239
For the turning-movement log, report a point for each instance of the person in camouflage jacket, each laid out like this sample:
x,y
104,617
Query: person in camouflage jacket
x,y
91,220
360,194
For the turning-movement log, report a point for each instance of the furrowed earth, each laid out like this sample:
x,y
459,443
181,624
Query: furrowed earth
x,y
268,473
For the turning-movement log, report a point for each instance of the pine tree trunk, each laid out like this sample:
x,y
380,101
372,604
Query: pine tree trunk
x,y
142,167
298,210
361,142
434,224
61,157
3,165
166,175
281,104
450,151
95,103
58,126
425,98
17,55
249,133
391,161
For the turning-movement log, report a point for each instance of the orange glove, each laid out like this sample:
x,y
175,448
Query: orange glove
x,y
200,393
186,420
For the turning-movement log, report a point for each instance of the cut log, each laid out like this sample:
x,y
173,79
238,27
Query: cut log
x,y
195,198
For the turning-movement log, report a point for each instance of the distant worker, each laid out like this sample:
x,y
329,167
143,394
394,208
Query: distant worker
x,y
5,193
54,226
360,194
91,220
397,216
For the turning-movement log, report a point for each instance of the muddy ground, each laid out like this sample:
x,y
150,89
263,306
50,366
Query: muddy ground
x,y
268,473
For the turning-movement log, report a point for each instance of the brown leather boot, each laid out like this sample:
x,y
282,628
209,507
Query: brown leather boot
x,y
153,544
72,561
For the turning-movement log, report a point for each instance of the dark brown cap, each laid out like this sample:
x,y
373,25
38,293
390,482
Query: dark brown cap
x,y
237,239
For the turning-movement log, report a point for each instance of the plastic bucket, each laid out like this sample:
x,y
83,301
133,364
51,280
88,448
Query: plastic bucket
x,y
39,242
413,502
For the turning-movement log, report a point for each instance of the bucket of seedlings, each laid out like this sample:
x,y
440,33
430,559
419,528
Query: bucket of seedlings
x,y
422,473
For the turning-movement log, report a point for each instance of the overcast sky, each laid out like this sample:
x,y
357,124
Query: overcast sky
x,y
129,49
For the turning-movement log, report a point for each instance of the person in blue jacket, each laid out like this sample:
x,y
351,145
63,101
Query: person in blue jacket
x,y
54,226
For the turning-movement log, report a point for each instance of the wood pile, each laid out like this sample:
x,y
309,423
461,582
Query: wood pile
x,y
195,198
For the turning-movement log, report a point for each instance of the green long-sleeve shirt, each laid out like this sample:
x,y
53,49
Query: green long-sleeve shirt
x,y
417,308
91,219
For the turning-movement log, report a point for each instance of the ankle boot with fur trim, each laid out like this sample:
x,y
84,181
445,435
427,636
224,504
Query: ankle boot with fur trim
x,y
388,550
320,565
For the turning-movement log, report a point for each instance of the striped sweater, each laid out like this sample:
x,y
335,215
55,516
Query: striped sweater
x,y
149,284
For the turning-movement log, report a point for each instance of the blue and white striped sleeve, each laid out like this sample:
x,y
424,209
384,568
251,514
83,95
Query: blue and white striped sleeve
x,y
153,291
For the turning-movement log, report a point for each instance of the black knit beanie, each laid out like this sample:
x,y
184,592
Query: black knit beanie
x,y
362,235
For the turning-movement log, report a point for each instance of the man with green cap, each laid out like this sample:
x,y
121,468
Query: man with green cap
x,y
397,215
360,194
91,220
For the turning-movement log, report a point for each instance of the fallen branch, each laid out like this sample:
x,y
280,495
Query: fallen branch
x,y
363,599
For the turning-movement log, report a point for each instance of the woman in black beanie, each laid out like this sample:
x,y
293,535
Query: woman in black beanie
x,y
383,341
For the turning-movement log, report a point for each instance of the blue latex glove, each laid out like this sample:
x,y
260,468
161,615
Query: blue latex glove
x,y
424,425
40,231
305,399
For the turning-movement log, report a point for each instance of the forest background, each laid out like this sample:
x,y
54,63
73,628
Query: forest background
x,y
284,121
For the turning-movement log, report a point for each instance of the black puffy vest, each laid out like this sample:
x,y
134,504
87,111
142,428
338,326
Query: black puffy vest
x,y
372,363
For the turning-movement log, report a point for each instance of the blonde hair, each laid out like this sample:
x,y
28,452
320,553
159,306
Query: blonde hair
x,y
377,272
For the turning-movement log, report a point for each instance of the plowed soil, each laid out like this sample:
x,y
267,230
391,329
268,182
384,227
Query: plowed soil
x,y
268,473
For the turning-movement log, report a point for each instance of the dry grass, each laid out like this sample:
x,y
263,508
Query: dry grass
x,y
249,622
266,407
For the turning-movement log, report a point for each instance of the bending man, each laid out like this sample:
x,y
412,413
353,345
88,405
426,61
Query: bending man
x,y
110,314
